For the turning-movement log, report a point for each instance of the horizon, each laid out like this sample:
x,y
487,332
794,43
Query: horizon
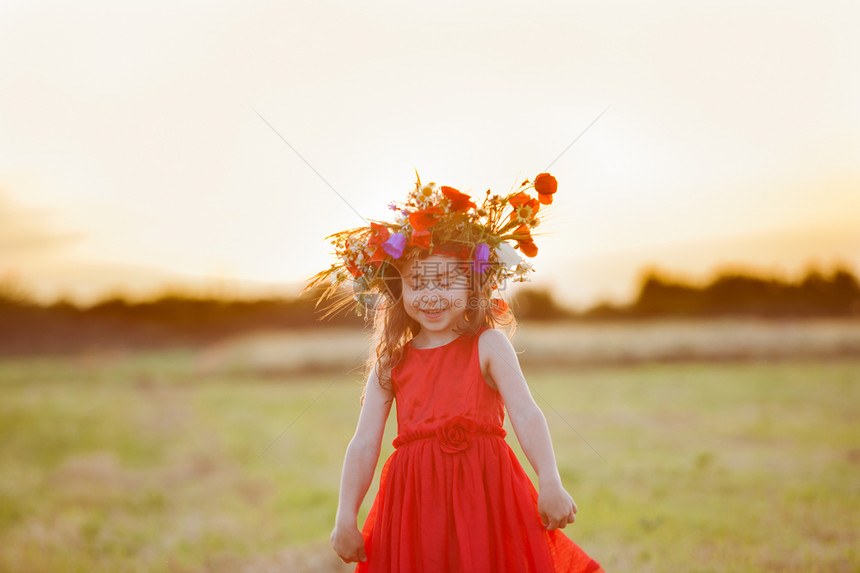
x,y
220,290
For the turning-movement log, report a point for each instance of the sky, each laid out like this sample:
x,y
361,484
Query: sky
x,y
214,146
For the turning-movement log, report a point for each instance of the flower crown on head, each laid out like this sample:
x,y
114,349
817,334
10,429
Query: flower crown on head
x,y
440,220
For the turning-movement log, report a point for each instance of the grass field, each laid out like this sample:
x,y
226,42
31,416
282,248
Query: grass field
x,y
143,462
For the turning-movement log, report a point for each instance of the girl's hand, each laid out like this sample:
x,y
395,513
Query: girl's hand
x,y
556,507
348,543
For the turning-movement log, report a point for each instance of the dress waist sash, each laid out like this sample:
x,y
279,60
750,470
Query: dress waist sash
x,y
455,434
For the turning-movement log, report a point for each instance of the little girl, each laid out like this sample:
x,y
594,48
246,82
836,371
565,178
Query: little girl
x,y
452,497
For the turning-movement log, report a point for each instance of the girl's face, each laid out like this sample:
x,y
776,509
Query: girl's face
x,y
436,291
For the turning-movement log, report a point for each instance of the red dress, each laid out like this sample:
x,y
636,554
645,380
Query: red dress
x,y
453,496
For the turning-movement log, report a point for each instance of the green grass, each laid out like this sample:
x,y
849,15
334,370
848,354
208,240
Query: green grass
x,y
142,463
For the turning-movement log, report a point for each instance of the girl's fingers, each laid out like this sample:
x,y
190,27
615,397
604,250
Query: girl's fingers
x,y
353,556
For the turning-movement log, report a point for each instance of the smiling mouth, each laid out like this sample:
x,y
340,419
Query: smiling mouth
x,y
433,313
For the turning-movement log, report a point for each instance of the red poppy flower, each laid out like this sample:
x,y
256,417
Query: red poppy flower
x,y
379,234
420,239
525,207
545,185
356,272
459,201
525,243
522,198
499,306
379,254
528,248
425,218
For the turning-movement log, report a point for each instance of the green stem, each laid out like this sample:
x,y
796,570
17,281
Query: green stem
x,y
511,225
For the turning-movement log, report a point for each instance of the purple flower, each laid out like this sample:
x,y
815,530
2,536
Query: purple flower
x,y
394,245
482,255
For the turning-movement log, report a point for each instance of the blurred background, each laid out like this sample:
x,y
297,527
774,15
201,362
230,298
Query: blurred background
x,y
168,174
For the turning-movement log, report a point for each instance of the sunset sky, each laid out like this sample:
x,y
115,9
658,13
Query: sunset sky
x,y
132,154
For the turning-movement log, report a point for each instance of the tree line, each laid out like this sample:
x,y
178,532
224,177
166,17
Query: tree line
x,y
172,319
817,294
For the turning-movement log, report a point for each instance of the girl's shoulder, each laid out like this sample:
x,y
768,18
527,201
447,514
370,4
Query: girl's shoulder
x,y
493,344
488,333
383,374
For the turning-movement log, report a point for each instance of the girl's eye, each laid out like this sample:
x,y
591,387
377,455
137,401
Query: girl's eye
x,y
424,283
450,280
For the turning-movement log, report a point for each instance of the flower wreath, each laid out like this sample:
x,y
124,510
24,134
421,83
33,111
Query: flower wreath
x,y
440,220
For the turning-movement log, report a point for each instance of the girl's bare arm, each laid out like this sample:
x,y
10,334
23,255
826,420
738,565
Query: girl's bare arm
x,y
557,507
359,463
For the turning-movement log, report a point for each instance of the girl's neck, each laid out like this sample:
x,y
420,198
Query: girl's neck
x,y
425,339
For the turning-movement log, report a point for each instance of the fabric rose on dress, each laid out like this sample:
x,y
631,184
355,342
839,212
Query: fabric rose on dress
x,y
455,435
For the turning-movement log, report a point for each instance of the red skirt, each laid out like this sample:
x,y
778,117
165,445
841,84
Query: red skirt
x,y
441,509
